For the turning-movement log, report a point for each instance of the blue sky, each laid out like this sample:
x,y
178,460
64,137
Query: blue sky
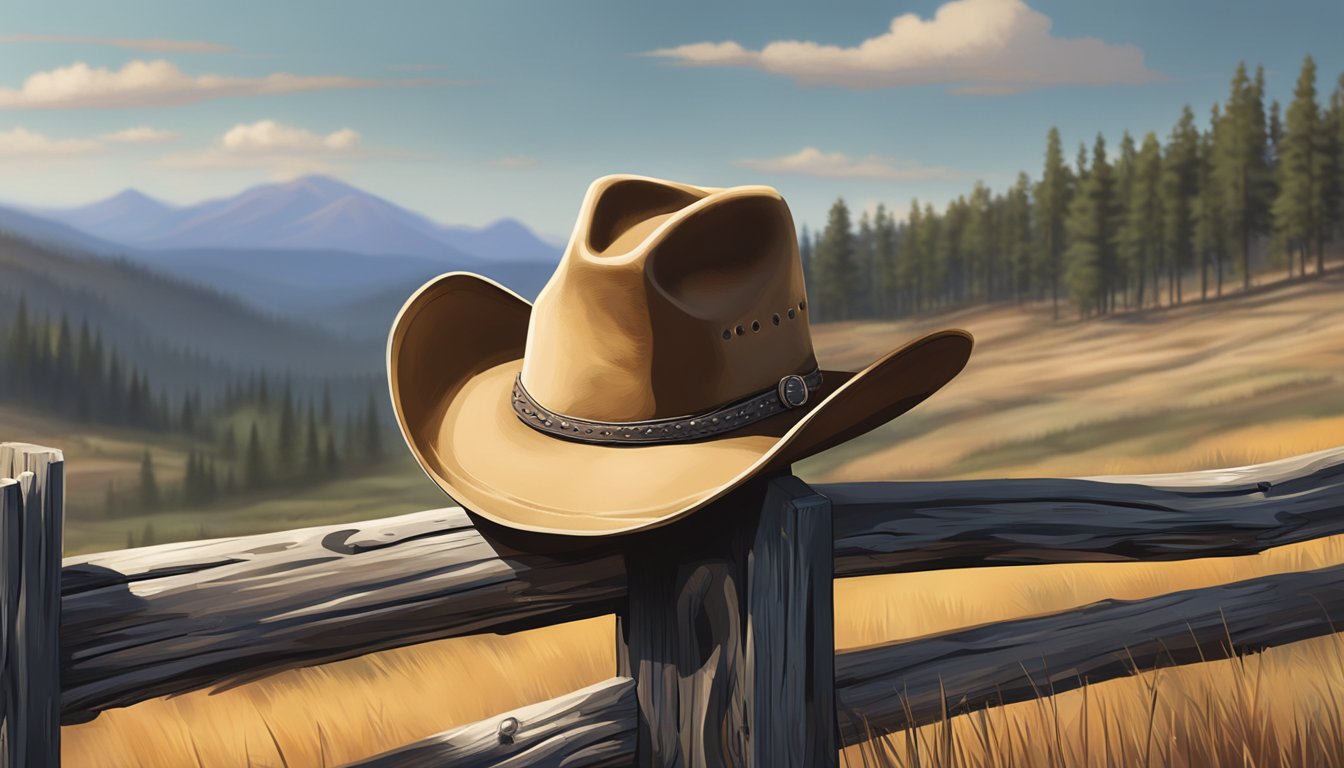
x,y
469,111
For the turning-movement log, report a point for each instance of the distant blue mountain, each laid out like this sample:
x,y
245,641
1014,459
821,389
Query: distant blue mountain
x,y
312,213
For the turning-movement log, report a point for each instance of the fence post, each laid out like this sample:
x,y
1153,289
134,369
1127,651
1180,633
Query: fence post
x,y
32,508
729,633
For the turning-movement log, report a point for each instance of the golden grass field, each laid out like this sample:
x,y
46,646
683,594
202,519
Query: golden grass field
x,y
1233,382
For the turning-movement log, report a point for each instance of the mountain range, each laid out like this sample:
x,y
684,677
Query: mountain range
x,y
314,250
311,213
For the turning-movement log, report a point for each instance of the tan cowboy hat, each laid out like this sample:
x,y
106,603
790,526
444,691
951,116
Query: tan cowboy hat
x,y
668,361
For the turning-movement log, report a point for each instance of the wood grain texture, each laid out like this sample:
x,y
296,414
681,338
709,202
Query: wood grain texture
x,y
12,651
589,728
791,630
148,622
728,633
901,527
30,539
896,685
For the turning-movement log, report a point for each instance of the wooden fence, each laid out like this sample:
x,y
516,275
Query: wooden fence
x,y
725,649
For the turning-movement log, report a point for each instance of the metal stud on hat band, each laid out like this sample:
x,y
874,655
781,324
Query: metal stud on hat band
x,y
792,391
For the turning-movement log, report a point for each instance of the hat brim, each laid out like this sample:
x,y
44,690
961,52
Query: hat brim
x,y
454,352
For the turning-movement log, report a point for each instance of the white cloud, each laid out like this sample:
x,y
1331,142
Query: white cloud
x,y
266,144
151,45
140,134
160,83
266,136
810,161
21,143
978,46
516,161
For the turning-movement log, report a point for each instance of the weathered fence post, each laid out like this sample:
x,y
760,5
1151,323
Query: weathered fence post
x,y
729,633
32,508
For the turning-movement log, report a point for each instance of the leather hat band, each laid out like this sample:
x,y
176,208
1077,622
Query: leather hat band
x,y
792,391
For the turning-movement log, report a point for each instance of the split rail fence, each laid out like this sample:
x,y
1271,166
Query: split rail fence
x,y
724,621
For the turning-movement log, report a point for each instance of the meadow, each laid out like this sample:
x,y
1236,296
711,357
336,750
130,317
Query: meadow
x,y
1236,381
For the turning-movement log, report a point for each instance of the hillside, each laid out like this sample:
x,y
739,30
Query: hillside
x,y
142,311
1202,385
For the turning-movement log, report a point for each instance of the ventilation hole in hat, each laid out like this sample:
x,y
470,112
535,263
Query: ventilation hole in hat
x,y
792,313
775,318
802,305
741,331
755,326
727,334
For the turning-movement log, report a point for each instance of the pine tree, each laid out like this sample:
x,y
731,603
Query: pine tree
x,y
1180,191
865,263
835,271
888,268
1018,237
312,463
1209,230
805,255
1299,211
1117,273
255,472
1240,167
228,449
63,376
330,461
1334,161
1091,228
1052,206
326,406
976,237
149,487
911,271
286,442
18,360
373,433
1141,237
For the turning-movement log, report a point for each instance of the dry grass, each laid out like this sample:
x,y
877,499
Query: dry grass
x,y
1246,381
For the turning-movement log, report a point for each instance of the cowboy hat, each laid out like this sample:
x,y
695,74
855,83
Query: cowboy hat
x,y
668,361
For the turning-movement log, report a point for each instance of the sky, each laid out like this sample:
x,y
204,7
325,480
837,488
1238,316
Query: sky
x,y
473,110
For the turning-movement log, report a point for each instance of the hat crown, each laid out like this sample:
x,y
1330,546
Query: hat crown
x,y
670,300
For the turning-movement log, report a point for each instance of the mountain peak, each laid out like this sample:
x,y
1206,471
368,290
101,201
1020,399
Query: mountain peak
x,y
133,196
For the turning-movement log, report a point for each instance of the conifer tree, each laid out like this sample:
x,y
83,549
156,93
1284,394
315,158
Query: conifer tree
x,y
1052,206
1180,192
373,433
149,486
1240,166
312,463
1209,231
836,275
1091,228
1299,211
255,461
1141,233
286,441
888,269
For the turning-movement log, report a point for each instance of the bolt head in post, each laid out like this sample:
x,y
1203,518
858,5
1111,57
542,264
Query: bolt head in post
x,y
508,727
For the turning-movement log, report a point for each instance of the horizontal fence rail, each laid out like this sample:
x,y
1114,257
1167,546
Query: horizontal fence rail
x,y
172,618
901,527
894,686
589,728
899,685
147,622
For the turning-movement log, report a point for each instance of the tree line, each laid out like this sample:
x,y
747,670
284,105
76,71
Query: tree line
x,y
259,432
1114,230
